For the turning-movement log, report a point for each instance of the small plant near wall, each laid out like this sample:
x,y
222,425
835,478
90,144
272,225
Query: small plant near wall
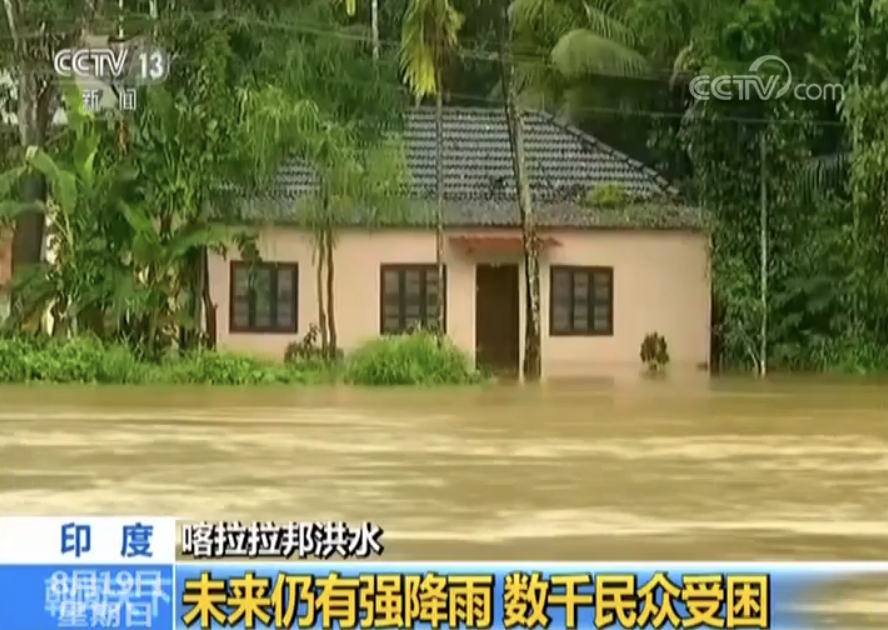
x,y
654,352
608,196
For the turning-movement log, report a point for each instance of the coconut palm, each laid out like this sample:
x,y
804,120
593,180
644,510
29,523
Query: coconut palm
x,y
429,35
560,42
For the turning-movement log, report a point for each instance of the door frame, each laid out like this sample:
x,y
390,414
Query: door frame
x,y
502,302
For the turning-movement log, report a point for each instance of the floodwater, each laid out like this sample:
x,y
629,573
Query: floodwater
x,y
787,469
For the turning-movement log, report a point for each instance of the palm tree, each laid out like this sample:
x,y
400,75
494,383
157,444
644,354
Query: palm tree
x,y
428,37
579,39
533,363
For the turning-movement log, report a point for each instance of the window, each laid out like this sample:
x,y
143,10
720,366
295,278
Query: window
x,y
264,297
582,301
409,298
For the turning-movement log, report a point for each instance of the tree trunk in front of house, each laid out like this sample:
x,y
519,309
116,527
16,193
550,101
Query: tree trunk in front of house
x,y
59,321
322,313
153,321
331,309
439,206
532,334
209,308
197,275
27,240
532,368
189,272
35,91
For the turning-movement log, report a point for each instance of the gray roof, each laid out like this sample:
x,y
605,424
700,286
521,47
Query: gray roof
x,y
563,162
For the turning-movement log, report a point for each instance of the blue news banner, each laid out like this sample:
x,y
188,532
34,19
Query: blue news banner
x,y
121,572
417,595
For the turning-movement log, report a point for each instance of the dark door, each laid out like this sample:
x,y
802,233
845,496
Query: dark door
x,y
496,317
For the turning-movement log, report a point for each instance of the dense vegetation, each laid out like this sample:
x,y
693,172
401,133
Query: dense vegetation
x,y
415,359
131,196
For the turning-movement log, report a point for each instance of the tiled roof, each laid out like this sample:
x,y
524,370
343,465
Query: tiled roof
x,y
563,163
494,213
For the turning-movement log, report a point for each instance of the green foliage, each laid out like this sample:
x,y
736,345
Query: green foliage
x,y
81,360
608,196
419,358
654,352
131,198
309,353
581,39
87,359
429,35
415,359
826,294
204,367
134,200
307,348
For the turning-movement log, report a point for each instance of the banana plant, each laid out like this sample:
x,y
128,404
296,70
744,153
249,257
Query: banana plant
x,y
107,263
71,276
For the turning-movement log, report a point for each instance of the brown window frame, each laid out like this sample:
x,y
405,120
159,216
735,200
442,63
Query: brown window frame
x,y
401,269
591,273
251,327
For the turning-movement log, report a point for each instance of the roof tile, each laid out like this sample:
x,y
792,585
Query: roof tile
x,y
563,163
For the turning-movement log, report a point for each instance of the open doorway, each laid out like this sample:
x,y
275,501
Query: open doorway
x,y
497,334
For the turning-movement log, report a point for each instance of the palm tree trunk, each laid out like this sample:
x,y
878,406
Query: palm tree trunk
x,y
151,341
209,309
331,318
763,247
322,313
439,206
856,199
190,272
532,368
374,27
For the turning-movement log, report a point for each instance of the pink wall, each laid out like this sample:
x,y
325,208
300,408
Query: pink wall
x,y
661,283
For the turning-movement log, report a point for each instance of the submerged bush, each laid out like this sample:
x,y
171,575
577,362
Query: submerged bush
x,y
654,352
219,368
420,358
80,360
414,359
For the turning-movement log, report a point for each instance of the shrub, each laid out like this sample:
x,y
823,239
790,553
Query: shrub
x,y
418,358
654,351
306,349
410,359
80,360
207,367
608,196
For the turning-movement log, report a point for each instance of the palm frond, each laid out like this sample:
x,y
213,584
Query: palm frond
x,y
682,64
601,19
429,32
525,12
582,52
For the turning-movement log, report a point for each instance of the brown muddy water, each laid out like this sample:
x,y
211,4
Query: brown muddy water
x,y
793,469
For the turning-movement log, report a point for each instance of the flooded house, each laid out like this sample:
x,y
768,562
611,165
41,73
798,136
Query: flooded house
x,y
620,255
